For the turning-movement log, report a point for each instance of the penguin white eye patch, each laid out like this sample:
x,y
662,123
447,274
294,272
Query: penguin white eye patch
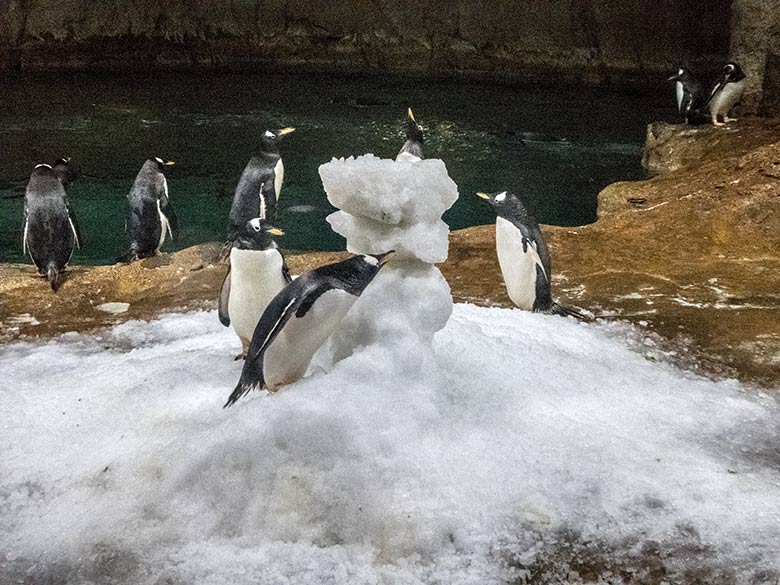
x,y
270,134
255,223
501,196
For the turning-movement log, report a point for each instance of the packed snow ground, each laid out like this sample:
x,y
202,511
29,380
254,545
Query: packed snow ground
x,y
531,436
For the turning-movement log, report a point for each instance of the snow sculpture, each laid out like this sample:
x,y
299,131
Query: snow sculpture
x,y
388,205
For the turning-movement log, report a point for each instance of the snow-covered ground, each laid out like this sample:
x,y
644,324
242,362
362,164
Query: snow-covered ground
x,y
530,437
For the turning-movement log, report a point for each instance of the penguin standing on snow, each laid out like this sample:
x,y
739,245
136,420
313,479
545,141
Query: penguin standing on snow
x,y
412,150
727,92
523,256
50,233
691,97
260,185
257,273
299,320
151,214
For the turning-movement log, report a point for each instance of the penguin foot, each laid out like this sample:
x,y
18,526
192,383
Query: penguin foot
x,y
241,356
718,124
727,120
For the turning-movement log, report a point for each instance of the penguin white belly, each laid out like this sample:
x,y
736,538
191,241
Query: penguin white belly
x,y
164,226
290,354
278,178
255,279
407,156
679,97
517,267
727,98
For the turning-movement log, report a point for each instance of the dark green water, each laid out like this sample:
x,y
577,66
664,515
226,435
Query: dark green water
x,y
209,125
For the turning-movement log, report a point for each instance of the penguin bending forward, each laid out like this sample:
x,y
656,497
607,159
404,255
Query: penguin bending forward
x,y
412,150
727,92
691,97
299,320
260,185
256,274
49,233
523,256
150,215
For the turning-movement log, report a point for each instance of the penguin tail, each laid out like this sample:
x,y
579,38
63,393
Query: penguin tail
x,y
55,277
241,390
563,311
225,252
130,256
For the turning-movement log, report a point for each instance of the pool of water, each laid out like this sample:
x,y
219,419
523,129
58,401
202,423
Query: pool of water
x,y
556,147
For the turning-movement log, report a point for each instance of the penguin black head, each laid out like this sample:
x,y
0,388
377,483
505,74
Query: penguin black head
x,y
161,164
508,206
683,74
732,72
269,141
414,131
64,170
257,234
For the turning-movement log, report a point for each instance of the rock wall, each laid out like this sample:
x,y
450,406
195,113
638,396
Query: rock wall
x,y
581,40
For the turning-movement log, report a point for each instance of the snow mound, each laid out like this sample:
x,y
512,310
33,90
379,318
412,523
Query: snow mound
x,y
524,437
389,191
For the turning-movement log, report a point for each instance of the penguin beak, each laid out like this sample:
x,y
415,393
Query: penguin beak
x,y
284,131
385,258
483,195
169,163
411,115
275,231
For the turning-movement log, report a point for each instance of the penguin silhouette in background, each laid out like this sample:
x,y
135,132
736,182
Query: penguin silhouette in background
x,y
726,93
412,150
257,273
523,256
49,233
64,170
260,185
300,319
150,215
691,96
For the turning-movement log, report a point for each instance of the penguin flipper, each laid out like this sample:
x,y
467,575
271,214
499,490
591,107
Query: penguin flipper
x,y
173,221
286,271
223,301
266,331
25,231
74,224
268,201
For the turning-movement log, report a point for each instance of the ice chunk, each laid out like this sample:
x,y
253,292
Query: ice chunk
x,y
388,191
427,242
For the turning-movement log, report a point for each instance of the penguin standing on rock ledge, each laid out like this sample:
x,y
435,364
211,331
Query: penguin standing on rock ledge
x,y
523,256
727,92
50,233
260,185
150,215
691,97
300,319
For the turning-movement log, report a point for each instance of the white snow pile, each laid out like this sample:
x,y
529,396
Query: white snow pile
x,y
532,446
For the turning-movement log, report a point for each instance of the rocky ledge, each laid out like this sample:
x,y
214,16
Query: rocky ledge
x,y
691,255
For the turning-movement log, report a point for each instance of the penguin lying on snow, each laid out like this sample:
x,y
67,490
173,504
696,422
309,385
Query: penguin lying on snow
x,y
50,232
257,273
299,320
412,150
727,92
151,214
260,185
691,96
523,256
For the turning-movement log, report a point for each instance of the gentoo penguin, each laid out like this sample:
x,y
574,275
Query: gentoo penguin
x,y
260,185
523,256
412,150
150,213
691,97
257,273
49,229
299,320
726,93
